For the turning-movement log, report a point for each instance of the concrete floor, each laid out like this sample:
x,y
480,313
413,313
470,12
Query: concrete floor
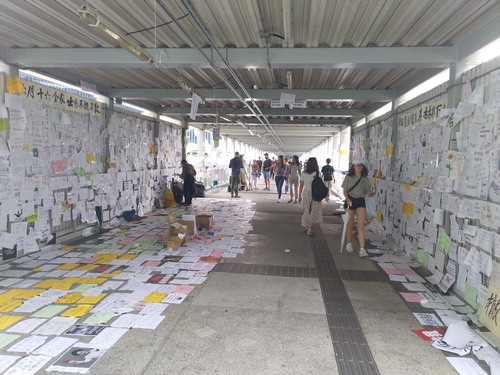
x,y
259,324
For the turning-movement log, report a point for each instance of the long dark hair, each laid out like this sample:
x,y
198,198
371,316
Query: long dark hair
x,y
364,171
295,160
312,165
280,161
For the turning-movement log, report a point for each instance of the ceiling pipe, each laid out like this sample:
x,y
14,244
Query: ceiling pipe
x,y
262,119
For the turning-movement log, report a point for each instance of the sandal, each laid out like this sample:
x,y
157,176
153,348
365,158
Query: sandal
x,y
290,201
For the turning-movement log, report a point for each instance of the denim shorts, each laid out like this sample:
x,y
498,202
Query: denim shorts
x,y
357,203
266,174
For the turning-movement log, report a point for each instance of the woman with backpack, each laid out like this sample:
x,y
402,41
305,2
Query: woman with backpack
x,y
313,210
356,186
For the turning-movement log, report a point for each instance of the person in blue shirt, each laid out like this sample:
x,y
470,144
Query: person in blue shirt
x,y
235,164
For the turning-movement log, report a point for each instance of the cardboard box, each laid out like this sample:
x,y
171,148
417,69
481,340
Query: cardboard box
x,y
205,221
177,228
173,243
190,222
171,219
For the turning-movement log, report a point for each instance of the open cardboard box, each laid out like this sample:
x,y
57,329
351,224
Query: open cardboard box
x,y
204,221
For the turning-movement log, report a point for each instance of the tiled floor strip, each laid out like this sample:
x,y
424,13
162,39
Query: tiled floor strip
x,y
352,352
269,270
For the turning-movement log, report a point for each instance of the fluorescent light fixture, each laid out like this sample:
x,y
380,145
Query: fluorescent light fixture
x,y
435,81
251,132
289,79
381,111
170,119
143,111
226,118
114,32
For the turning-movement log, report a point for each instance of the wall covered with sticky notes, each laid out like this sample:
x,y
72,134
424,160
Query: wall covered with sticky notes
x,y
63,154
437,180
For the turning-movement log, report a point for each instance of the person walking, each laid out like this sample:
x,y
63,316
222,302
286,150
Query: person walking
x,y
273,164
294,172
188,173
279,175
266,170
259,163
356,186
254,173
235,164
328,177
313,210
287,182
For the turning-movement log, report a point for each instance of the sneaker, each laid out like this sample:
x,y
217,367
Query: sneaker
x,y
232,195
304,229
278,200
349,248
363,253
236,196
290,201
310,233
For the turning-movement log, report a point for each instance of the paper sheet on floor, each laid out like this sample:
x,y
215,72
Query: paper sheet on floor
x,y
28,365
466,366
78,359
7,361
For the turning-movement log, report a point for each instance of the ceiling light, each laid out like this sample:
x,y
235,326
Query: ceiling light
x,y
110,29
250,131
289,80
170,119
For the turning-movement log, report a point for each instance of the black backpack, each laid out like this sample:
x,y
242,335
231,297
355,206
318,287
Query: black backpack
x,y
319,189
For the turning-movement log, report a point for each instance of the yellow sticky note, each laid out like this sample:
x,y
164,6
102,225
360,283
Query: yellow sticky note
x,y
3,124
8,320
91,280
23,293
69,298
92,299
408,185
408,208
389,149
90,158
63,284
10,305
67,266
112,274
33,218
128,256
77,311
45,284
68,248
87,267
152,149
26,147
379,216
14,85
155,297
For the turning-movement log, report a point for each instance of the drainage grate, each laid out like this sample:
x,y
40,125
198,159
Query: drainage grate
x,y
352,352
263,269
354,275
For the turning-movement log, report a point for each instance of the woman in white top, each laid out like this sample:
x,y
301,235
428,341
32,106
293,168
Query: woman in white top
x,y
313,211
294,177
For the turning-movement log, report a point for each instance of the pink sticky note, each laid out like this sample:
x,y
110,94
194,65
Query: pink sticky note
x,y
151,263
411,297
88,260
184,289
392,271
127,240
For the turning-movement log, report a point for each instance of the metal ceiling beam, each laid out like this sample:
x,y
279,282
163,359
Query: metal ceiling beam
x,y
317,112
239,58
225,94
285,122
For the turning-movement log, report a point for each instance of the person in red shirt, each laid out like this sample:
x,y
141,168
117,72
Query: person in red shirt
x,y
188,173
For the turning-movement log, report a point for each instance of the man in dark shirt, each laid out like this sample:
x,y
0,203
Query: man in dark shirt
x,y
266,167
327,172
188,173
235,164
259,163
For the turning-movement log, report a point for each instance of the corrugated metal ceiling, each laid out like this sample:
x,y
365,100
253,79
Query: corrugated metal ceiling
x,y
273,24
